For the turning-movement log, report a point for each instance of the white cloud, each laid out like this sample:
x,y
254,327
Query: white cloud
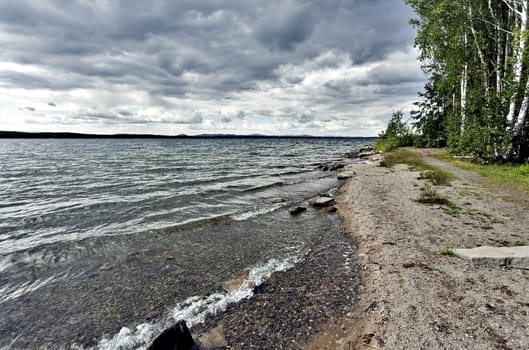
x,y
174,67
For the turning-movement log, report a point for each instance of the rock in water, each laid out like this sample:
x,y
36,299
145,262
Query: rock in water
x,y
320,202
230,286
296,210
275,200
330,209
176,337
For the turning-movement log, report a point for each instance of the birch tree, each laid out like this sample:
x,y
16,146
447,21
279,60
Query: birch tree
x,y
476,53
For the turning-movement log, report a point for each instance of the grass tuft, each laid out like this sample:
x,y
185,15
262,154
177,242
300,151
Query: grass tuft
x,y
447,252
436,175
429,196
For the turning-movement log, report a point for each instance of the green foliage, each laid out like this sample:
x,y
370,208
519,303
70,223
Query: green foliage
x,y
396,126
397,134
477,75
430,118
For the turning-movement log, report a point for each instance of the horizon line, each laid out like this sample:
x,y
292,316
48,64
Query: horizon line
x,y
72,135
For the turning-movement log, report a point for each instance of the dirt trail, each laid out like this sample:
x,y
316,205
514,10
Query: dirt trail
x,y
412,296
506,192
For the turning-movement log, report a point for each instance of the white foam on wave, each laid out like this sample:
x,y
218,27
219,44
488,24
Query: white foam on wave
x,y
253,213
195,309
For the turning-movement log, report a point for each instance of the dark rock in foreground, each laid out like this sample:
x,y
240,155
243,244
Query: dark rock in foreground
x,y
176,337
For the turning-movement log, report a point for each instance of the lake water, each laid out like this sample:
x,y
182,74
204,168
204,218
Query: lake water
x,y
103,243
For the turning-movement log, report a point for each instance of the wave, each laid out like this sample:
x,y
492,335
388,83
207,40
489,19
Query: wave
x,y
253,213
194,310
263,187
9,292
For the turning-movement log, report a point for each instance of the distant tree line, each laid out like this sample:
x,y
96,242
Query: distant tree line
x,y
476,56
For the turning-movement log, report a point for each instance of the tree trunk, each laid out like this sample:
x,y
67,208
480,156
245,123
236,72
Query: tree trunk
x,y
518,65
520,118
463,87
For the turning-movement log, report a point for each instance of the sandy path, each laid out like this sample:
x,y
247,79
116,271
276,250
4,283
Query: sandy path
x,y
415,298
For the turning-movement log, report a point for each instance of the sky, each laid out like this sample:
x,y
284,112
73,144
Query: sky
x,y
276,67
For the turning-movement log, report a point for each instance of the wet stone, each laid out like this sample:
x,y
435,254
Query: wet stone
x,y
296,210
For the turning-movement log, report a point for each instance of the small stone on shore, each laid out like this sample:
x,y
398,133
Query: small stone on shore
x,y
320,202
345,175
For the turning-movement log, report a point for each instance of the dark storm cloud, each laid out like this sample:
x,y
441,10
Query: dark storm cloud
x,y
119,117
284,27
205,36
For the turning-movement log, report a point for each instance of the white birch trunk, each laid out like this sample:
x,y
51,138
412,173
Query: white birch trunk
x,y
463,88
518,64
520,118
499,67
464,83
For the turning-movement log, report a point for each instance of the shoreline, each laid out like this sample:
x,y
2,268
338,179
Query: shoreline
x,y
410,295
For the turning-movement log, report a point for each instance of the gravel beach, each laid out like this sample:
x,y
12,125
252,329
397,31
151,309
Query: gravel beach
x,y
413,297
294,305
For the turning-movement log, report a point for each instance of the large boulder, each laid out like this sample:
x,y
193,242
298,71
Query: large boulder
x,y
176,337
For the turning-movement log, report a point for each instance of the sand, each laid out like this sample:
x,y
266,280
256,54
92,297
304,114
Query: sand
x,y
411,296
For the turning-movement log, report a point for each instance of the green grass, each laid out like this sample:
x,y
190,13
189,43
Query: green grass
x,y
429,196
501,175
436,175
447,252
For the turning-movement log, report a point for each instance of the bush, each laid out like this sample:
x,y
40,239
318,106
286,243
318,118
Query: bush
x,y
397,134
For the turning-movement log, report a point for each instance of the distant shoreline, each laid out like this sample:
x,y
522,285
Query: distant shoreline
x,y
71,135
